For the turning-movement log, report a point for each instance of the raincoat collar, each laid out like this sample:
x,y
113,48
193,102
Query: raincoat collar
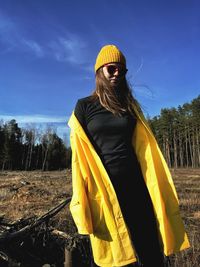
x,y
75,125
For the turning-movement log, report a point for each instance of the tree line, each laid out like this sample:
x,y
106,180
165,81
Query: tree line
x,y
29,149
177,131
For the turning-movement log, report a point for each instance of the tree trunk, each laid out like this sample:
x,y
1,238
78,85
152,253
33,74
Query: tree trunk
x,y
190,148
186,148
30,156
180,150
168,152
175,149
198,146
45,159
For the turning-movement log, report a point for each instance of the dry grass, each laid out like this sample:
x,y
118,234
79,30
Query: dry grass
x,y
26,194
187,182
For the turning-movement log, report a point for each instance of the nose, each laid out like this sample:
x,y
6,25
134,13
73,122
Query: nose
x,y
116,73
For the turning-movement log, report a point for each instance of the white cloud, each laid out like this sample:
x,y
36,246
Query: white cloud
x,y
34,118
12,38
70,49
34,47
67,47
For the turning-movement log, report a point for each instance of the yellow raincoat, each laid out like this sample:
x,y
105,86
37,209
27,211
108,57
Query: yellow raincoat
x,y
94,205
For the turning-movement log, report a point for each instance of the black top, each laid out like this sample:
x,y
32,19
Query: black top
x,y
111,135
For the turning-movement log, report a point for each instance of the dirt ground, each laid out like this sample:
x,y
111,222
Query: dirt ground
x,y
25,194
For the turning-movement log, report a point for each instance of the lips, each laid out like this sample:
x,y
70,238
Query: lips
x,y
114,80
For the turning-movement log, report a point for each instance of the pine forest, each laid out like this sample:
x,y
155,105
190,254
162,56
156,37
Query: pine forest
x,y
177,131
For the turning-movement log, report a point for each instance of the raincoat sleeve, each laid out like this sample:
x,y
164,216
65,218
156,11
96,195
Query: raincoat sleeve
x,y
79,205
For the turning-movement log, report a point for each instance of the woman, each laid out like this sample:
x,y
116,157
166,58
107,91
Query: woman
x,y
123,193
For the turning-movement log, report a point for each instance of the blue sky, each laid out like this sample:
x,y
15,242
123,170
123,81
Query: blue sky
x,y
48,50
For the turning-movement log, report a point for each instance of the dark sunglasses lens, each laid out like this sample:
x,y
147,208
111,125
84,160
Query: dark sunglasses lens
x,y
111,69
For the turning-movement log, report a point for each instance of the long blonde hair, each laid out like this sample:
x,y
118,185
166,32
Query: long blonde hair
x,y
117,100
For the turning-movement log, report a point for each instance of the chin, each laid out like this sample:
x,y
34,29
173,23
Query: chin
x,y
115,84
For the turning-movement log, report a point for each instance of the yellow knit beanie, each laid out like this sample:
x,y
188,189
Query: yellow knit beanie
x,y
108,54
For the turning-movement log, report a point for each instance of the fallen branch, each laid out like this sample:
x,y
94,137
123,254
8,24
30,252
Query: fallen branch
x,y
9,235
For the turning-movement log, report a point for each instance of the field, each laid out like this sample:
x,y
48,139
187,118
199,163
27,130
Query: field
x,y
27,194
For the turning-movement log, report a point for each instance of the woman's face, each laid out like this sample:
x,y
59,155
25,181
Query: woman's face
x,y
114,73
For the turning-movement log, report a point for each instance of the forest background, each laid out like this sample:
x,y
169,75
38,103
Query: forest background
x,y
177,131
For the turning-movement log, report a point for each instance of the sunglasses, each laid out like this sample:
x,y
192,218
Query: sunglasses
x,y
111,69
